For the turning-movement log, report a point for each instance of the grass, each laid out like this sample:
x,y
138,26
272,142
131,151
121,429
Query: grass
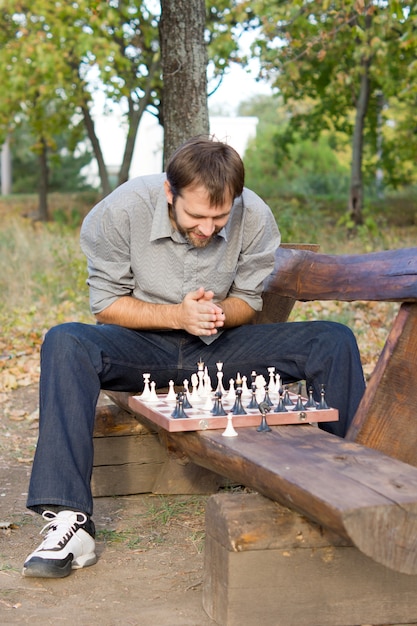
x,y
152,527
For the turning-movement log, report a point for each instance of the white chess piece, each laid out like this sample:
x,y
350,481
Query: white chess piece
x,y
171,395
146,389
153,396
230,430
231,395
246,392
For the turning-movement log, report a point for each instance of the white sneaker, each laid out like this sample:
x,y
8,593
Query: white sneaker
x,y
68,544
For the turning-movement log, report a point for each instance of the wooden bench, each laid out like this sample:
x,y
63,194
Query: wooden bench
x,y
363,489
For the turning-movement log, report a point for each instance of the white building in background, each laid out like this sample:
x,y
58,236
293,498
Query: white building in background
x,y
147,156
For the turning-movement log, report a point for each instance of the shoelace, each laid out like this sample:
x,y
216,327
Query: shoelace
x,y
55,524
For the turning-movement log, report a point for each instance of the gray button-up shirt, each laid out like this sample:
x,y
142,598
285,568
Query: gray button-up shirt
x,y
133,249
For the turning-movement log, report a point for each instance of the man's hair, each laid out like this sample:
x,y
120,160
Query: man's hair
x,y
204,161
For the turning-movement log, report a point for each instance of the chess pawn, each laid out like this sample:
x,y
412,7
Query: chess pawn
x,y
238,407
153,396
253,404
310,404
187,395
287,399
171,395
231,395
218,409
299,406
230,431
281,408
246,392
179,412
322,404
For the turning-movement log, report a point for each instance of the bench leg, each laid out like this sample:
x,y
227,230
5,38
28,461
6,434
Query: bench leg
x,y
265,564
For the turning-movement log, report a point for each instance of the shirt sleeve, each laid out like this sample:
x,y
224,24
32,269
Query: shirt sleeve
x,y
105,241
261,238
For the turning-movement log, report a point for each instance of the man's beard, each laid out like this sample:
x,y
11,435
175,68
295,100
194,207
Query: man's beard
x,y
190,235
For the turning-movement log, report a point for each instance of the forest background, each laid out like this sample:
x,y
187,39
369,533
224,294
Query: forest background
x,y
334,154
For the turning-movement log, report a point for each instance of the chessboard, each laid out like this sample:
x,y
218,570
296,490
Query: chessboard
x,y
161,408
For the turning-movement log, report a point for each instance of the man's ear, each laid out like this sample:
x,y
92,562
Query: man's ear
x,y
168,193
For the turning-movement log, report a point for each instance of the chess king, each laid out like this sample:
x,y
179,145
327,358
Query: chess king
x,y
176,264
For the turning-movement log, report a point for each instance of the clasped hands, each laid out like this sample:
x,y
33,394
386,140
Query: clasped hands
x,y
200,315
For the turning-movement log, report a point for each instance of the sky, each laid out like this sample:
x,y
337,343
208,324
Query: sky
x,y
237,86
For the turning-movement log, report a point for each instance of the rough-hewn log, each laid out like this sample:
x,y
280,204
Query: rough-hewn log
x,y
386,419
359,493
390,275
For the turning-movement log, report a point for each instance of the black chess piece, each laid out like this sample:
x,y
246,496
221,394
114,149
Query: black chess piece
x,y
238,407
287,399
281,408
263,426
186,404
218,409
322,404
267,399
299,406
179,412
310,404
253,404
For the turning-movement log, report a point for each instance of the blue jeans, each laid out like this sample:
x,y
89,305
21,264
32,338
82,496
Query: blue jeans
x,y
77,360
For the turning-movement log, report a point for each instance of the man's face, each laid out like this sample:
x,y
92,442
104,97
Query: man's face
x,y
193,216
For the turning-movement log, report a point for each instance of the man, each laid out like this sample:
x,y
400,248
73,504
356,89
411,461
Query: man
x,y
176,266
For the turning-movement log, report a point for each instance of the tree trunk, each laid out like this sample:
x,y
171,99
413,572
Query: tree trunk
x,y
102,170
184,71
43,182
356,181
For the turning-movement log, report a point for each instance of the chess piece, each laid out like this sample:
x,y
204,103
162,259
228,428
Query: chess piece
x,y
299,406
146,389
171,395
153,396
263,426
231,395
267,399
246,392
281,408
253,404
187,395
238,407
322,404
310,404
179,412
218,409
230,431
287,399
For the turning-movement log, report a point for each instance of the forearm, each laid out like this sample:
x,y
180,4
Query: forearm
x,y
236,312
130,312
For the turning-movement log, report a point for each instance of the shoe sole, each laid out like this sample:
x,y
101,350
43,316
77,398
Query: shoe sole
x,y
48,568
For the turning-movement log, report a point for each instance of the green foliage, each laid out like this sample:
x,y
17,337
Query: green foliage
x,y
65,167
318,54
276,165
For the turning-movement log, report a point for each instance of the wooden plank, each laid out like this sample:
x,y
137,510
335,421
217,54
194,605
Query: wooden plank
x,y
266,564
359,493
390,275
386,419
123,480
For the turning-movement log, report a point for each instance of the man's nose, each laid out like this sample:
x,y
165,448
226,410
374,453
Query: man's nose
x,y
207,226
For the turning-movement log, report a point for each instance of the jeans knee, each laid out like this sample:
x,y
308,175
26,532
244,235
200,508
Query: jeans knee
x,y
62,340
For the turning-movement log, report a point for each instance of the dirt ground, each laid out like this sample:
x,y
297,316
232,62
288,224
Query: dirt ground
x,y
150,548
